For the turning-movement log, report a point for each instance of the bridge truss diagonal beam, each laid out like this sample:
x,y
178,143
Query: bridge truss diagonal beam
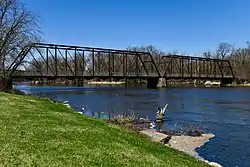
x,y
55,61
51,60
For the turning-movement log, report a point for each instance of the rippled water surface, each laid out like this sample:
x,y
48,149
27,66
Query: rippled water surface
x,y
222,111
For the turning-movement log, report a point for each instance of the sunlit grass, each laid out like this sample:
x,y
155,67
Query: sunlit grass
x,y
36,132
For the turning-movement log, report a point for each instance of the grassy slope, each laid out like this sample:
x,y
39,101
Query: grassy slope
x,y
35,132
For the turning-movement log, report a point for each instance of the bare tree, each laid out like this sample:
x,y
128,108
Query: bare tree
x,y
207,54
18,28
223,50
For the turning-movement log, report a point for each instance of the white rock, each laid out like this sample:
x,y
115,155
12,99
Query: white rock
x,y
67,105
187,144
214,164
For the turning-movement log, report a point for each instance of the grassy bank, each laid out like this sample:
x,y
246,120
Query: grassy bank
x,y
36,132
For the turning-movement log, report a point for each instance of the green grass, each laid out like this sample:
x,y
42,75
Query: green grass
x,y
36,132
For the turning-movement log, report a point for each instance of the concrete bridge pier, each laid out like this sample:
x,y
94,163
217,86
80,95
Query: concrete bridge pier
x,y
156,82
162,82
152,82
226,81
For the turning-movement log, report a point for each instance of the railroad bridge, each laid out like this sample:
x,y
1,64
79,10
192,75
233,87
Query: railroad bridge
x,y
53,61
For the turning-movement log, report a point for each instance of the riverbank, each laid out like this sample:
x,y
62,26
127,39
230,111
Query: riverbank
x,y
104,83
37,132
187,144
239,85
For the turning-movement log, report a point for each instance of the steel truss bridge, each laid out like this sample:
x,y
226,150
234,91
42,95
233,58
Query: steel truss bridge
x,y
53,61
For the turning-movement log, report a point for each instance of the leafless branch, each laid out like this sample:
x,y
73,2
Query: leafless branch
x,y
18,28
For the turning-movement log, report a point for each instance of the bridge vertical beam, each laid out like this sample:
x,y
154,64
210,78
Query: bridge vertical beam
x,y
83,65
214,68
211,68
66,61
196,67
207,67
182,67
179,65
126,64
137,65
171,67
123,63
99,64
203,66
126,68
47,61
231,69
75,62
56,60
113,63
109,64
93,62
217,69
199,68
191,70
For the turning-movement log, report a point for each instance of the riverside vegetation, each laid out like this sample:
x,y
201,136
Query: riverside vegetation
x,y
37,132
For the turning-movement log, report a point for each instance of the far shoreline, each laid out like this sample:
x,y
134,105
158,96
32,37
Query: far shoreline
x,y
106,83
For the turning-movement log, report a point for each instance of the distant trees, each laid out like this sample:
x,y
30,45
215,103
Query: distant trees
x,y
240,60
207,54
223,51
18,28
156,53
238,57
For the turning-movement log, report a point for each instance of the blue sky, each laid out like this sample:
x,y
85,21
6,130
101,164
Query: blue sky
x,y
187,26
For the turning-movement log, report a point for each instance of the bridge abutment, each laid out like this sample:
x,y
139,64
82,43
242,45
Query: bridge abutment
x,y
226,81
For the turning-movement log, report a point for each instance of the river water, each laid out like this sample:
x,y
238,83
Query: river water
x,y
224,112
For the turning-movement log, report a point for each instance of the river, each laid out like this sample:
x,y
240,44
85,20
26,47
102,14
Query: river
x,y
224,112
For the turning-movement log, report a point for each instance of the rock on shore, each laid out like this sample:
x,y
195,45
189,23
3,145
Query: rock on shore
x,y
186,144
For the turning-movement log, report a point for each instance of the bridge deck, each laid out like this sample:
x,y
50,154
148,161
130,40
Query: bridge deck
x,y
202,77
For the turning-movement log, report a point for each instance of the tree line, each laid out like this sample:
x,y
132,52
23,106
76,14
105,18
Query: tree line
x,y
238,57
